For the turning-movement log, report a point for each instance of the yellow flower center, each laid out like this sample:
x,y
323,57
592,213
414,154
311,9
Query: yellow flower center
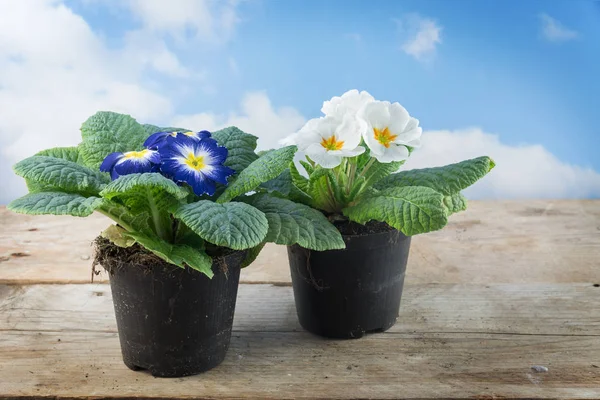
x,y
332,143
136,154
191,134
384,136
195,162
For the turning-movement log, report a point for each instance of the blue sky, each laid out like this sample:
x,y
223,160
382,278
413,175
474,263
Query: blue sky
x,y
514,79
493,68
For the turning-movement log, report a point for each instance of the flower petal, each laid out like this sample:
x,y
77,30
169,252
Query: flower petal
x,y
393,153
350,132
377,114
110,161
154,140
219,173
399,118
133,166
324,158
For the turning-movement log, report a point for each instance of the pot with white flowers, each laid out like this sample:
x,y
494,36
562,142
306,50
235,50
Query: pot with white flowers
x,y
189,213
353,154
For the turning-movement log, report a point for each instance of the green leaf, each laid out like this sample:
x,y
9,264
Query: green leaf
x,y
447,180
240,146
412,210
378,171
307,167
107,132
235,225
61,174
151,193
292,223
138,222
298,180
455,203
65,153
282,186
142,192
55,203
117,236
262,170
252,254
177,254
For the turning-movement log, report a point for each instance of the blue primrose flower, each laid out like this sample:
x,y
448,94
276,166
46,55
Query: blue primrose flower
x,y
199,163
158,139
130,162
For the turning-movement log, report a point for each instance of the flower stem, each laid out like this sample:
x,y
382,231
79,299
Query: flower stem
x,y
366,168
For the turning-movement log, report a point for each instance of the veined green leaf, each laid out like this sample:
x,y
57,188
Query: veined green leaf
x,y
107,132
65,153
298,180
61,174
138,222
447,180
252,254
282,186
148,192
307,167
141,192
455,203
55,203
176,254
292,223
378,171
262,170
411,209
235,225
240,146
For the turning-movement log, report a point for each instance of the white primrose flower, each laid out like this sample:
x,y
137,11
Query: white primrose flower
x,y
348,103
327,140
387,129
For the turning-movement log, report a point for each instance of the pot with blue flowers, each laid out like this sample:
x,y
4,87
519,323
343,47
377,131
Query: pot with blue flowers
x,y
353,153
189,212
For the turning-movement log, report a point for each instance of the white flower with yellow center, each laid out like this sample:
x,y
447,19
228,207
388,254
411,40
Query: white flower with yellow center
x,y
348,103
388,129
327,140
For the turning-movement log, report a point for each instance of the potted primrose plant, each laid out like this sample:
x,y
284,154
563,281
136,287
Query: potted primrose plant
x,y
352,155
185,225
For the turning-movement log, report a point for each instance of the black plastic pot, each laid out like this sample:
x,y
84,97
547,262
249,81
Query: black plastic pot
x,y
173,321
347,293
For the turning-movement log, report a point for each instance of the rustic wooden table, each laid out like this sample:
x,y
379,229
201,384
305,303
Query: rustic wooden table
x,y
504,287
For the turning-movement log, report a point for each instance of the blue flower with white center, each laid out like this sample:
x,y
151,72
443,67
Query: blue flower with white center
x,y
130,162
157,139
199,163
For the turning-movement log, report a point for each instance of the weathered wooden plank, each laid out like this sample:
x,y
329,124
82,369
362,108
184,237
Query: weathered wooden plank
x,y
494,241
452,341
536,309
300,366
295,365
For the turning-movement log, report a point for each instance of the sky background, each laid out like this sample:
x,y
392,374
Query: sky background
x,y
516,80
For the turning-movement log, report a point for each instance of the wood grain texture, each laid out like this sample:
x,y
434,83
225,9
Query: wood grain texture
x,y
493,241
60,341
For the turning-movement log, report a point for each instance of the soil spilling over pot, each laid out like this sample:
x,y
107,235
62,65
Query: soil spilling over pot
x,y
347,227
112,257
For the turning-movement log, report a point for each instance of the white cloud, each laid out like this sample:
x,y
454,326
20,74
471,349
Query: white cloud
x,y
55,72
422,35
204,19
528,171
554,31
257,116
